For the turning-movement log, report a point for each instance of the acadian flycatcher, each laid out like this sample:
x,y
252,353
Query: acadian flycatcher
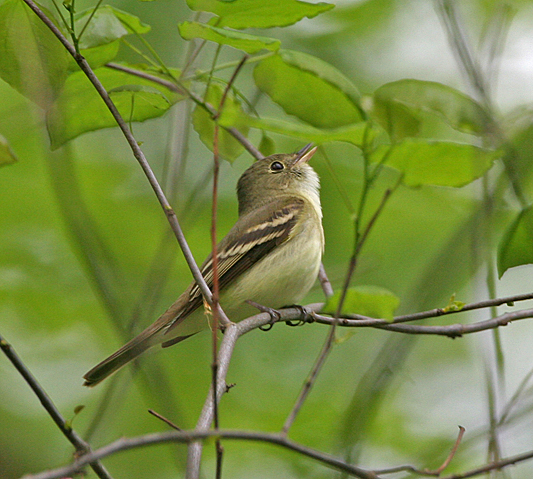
x,y
271,256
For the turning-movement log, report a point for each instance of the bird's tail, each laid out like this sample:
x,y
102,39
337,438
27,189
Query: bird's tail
x,y
154,334
124,355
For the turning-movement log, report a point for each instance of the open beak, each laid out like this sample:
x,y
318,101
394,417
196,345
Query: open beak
x,y
305,154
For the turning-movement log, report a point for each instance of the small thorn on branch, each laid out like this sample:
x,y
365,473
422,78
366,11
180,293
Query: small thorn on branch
x,y
230,386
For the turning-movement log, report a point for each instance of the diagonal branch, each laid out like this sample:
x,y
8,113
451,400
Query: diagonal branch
x,y
82,448
137,152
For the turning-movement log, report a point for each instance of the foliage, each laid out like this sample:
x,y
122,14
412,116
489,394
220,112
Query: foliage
x,y
423,184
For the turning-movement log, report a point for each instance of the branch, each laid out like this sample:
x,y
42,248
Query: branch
x,y
82,448
231,334
509,300
126,444
493,466
235,330
452,330
137,152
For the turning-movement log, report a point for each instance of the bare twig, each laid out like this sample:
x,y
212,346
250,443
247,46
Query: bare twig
x,y
81,446
495,466
214,255
447,461
126,444
228,86
324,353
235,330
452,330
277,439
310,381
206,417
324,281
432,313
164,419
427,472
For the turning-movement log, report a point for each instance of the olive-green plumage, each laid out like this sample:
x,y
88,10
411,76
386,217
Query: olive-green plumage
x,y
270,256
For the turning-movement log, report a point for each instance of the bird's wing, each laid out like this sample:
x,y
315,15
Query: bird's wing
x,y
273,224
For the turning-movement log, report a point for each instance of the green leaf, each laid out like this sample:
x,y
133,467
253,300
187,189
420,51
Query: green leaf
x,y
7,155
459,110
356,134
267,145
516,246
520,154
79,108
243,14
107,25
309,88
398,120
32,60
372,301
229,147
79,409
437,163
238,40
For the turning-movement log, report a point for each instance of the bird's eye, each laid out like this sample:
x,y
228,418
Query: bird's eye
x,y
276,166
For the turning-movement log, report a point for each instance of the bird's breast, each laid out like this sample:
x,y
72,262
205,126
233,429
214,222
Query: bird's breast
x,y
280,279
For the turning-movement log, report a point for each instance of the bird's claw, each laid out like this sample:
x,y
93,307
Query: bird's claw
x,y
275,315
307,316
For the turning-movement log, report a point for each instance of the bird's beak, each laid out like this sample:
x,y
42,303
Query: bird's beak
x,y
305,154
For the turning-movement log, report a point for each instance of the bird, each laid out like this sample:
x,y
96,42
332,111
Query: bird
x,y
271,256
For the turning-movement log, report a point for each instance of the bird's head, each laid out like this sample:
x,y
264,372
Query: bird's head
x,y
278,175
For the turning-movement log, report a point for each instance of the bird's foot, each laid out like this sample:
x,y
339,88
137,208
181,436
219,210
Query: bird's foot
x,y
275,315
307,316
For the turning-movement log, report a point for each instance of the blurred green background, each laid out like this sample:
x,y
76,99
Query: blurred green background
x,y
86,260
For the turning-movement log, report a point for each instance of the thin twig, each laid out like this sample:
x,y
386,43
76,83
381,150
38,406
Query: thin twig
x,y
227,345
433,313
164,419
277,439
426,472
214,255
197,99
81,446
324,281
228,86
310,381
447,461
495,466
361,240
232,333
